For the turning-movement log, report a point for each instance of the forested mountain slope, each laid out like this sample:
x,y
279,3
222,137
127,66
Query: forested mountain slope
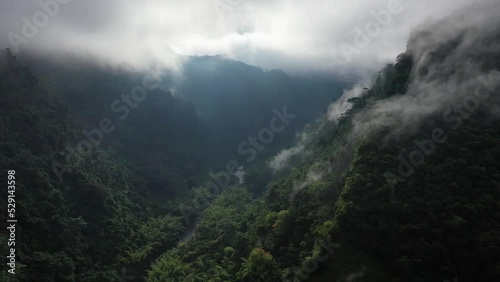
x,y
101,172
115,168
197,115
90,223
156,134
234,97
403,187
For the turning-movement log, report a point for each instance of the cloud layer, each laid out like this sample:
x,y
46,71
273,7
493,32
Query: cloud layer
x,y
297,37
455,63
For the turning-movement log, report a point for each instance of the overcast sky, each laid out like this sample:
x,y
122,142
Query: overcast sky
x,y
296,36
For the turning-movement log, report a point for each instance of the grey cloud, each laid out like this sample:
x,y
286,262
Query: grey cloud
x,y
453,58
341,105
282,159
299,36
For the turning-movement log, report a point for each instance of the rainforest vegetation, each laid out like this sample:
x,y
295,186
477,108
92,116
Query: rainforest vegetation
x,y
377,194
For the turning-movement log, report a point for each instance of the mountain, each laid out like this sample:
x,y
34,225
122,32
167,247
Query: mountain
x,y
404,186
82,225
234,97
113,152
221,171
196,117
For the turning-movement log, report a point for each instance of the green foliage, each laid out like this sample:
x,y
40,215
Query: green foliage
x,y
168,267
260,266
333,208
80,228
439,223
162,230
430,225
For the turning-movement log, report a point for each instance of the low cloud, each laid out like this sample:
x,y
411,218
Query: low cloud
x,y
316,173
283,158
297,37
341,105
453,59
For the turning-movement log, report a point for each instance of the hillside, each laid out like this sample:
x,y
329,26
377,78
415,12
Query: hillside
x,y
111,173
221,171
80,213
402,187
